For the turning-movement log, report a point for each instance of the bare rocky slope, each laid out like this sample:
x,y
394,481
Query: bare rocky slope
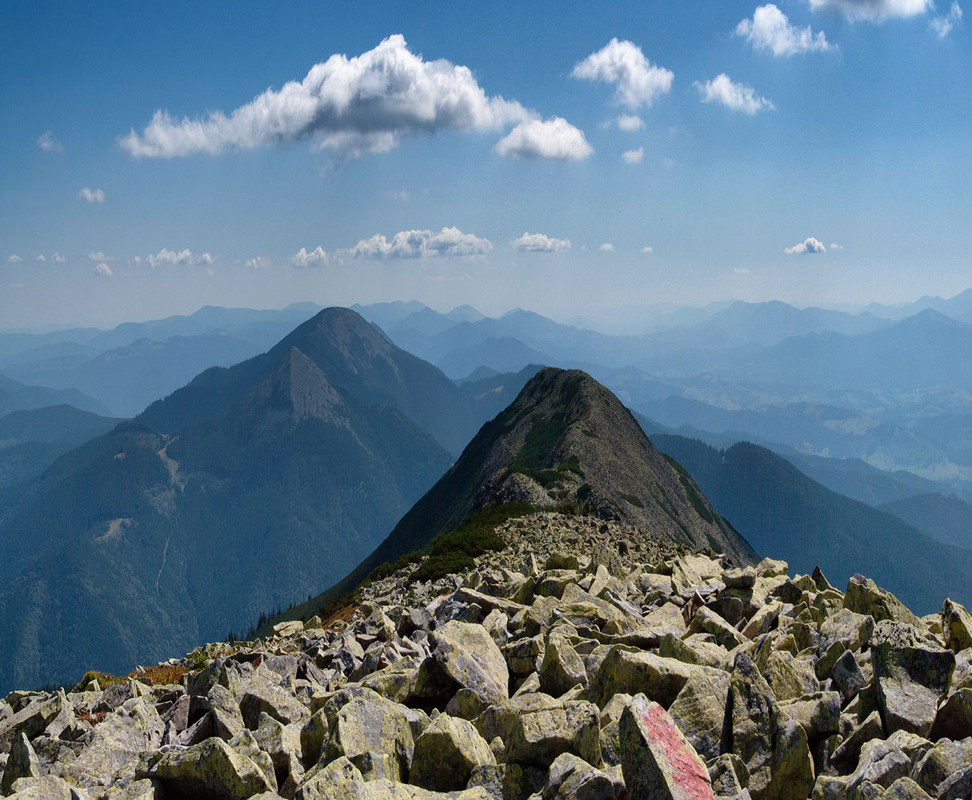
x,y
580,660
566,441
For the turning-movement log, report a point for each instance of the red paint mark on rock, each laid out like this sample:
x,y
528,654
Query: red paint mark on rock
x,y
687,771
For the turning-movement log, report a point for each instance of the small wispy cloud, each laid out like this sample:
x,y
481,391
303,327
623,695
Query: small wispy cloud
x,y
943,25
447,243
809,246
314,258
771,30
647,250
835,246
633,156
540,243
57,258
398,195
735,96
629,122
92,195
740,270
259,262
103,270
554,138
873,10
607,247
622,63
97,255
13,258
166,256
48,143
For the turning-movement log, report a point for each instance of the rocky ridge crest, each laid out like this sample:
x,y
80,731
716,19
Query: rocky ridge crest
x,y
580,661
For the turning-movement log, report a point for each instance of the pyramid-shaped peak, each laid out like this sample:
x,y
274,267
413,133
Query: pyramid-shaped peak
x,y
568,442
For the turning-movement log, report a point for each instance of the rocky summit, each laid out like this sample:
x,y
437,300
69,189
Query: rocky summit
x,y
580,660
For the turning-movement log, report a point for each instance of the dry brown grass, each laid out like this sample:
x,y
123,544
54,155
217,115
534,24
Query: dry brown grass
x,y
161,675
341,615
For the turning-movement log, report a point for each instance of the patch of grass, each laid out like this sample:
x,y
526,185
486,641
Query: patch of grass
x,y
635,501
694,497
542,438
103,679
162,675
198,658
439,566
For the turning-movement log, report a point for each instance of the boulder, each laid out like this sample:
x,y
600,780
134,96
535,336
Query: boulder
x,y
572,778
953,719
905,789
864,596
956,625
847,676
818,713
910,674
941,762
465,656
538,737
774,749
562,668
209,769
657,760
446,754
957,786
21,763
45,787
700,709
374,734
263,696
640,672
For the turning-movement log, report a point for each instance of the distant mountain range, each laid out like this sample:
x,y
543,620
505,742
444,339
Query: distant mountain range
x,y
245,490
784,514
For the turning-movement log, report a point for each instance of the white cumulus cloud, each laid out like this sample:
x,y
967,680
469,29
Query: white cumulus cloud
x,y
315,258
350,106
57,258
808,246
41,257
540,243
769,29
49,143
736,96
98,256
166,256
874,10
607,247
943,25
259,262
448,243
622,63
14,259
647,250
554,138
629,122
633,156
103,270
92,195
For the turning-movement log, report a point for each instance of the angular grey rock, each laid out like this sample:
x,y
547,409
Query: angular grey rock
x,y
210,769
657,760
538,736
261,695
446,753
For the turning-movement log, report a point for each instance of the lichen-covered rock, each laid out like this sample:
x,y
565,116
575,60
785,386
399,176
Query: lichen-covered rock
x,y
956,625
572,778
943,760
562,668
700,709
864,596
22,762
910,675
368,729
775,750
446,753
263,696
465,656
209,769
656,759
539,736
660,679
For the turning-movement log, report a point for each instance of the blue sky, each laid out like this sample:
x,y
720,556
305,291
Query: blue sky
x,y
164,156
